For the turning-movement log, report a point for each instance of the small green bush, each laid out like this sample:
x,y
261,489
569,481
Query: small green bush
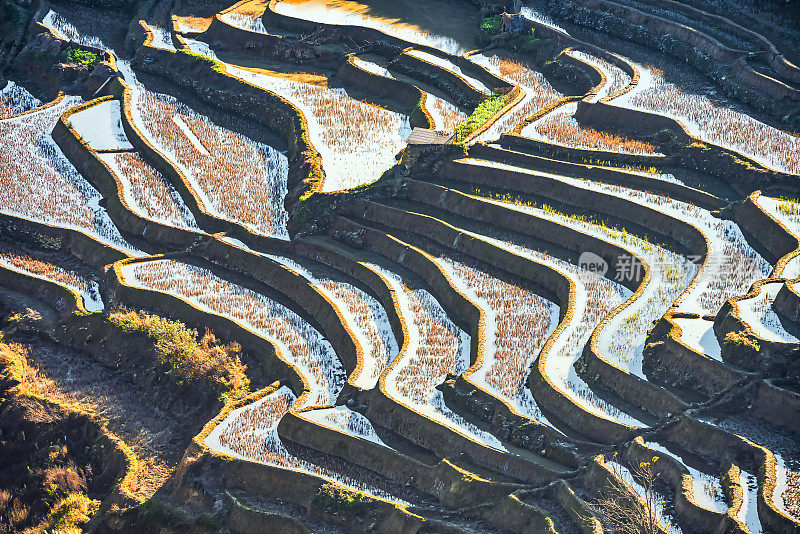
x,y
188,357
336,500
485,111
213,63
70,513
741,341
491,25
84,58
209,522
156,511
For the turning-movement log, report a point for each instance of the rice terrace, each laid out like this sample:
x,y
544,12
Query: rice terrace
x,y
400,266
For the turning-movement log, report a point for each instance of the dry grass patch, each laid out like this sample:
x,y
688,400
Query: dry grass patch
x,y
562,128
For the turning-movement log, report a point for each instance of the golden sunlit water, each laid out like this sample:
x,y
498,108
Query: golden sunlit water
x,y
418,22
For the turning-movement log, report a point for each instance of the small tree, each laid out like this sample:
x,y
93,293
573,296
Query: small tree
x,y
621,511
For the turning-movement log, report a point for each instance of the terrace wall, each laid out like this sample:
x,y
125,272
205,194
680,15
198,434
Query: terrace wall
x,y
577,509
669,360
299,290
787,302
700,50
592,172
450,83
417,261
86,160
514,515
272,361
243,519
777,405
445,442
514,141
741,172
594,73
227,37
49,237
604,481
323,250
558,191
750,77
686,506
64,299
725,24
206,79
507,422
770,357
773,237
292,485
570,75
452,486
404,93
494,82
554,399
638,392
710,440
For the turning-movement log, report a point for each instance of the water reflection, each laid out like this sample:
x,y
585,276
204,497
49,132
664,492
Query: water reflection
x,y
447,25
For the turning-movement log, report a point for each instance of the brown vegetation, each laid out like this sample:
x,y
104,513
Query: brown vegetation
x,y
47,467
188,357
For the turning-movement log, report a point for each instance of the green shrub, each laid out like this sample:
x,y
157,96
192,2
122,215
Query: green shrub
x,y
156,511
491,25
485,111
213,63
336,500
741,341
188,357
209,522
70,513
85,58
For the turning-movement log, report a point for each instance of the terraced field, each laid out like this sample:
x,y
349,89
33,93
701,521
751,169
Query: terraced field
x,y
382,266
